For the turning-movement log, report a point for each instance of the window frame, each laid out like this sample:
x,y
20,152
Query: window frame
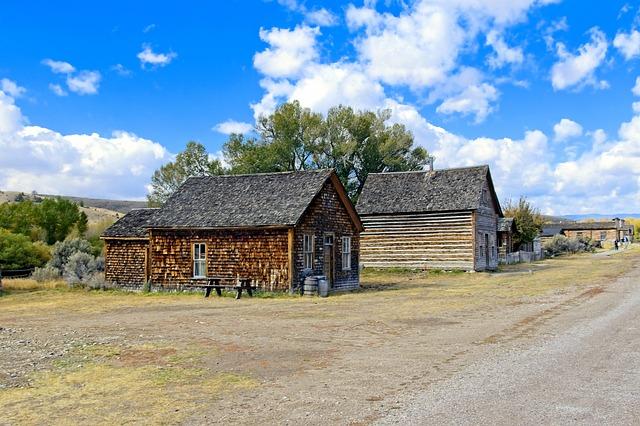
x,y
308,251
603,235
346,254
201,259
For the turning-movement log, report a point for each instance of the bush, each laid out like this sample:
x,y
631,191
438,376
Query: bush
x,y
562,245
63,251
100,263
47,273
18,252
80,267
97,282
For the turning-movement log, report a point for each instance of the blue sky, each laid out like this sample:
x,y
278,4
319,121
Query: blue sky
x,y
94,98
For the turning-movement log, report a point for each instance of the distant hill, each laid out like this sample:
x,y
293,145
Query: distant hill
x,y
602,216
119,206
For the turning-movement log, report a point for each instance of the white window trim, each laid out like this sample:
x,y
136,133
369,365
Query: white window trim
x,y
346,254
203,260
305,253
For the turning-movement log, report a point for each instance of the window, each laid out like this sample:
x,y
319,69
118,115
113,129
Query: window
x,y
307,249
579,234
603,235
199,260
346,253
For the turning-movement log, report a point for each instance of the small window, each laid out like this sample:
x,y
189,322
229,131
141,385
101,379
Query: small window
x,y
346,253
603,235
579,234
308,251
199,260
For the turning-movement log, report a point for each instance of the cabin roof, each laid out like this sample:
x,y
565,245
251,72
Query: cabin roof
x,y
424,191
593,225
505,224
244,201
551,230
131,225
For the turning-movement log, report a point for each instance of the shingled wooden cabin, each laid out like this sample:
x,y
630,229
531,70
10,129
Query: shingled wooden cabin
x,y
437,219
274,228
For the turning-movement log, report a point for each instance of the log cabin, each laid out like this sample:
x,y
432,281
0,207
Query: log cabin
x,y
602,231
436,219
506,231
274,228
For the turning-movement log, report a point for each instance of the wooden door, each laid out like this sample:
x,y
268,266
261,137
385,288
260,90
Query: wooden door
x,y
329,258
487,251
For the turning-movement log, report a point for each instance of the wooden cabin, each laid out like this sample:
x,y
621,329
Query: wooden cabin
x,y
506,231
603,231
437,219
274,228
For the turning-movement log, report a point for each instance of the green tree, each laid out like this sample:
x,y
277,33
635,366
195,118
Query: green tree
x,y
19,218
18,252
82,224
528,219
57,217
193,161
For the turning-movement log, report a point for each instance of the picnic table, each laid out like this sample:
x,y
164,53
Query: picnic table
x,y
215,283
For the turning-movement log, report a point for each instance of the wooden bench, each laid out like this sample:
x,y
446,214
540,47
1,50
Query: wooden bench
x,y
215,283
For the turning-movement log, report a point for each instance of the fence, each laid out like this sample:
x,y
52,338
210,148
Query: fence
x,y
16,273
522,256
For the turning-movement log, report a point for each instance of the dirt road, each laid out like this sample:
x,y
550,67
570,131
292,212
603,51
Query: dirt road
x,y
582,367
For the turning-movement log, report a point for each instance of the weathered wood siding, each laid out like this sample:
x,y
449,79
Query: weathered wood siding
x,y
125,262
327,216
486,219
420,240
258,254
595,234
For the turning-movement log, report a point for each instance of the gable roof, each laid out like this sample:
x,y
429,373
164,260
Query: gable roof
x,y
551,230
424,191
506,224
592,225
247,201
132,225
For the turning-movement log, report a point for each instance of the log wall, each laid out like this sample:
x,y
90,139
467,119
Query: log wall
x,y
486,219
258,254
125,262
328,216
423,240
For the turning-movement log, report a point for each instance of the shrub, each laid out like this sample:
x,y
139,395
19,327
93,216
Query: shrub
x,y
561,244
80,267
47,273
63,251
98,282
100,263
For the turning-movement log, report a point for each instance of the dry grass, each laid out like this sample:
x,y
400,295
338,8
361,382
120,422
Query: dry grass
x,y
27,284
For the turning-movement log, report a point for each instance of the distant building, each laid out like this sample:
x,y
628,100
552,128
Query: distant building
x,y
506,231
615,229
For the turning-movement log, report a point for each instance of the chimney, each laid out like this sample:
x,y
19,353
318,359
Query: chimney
x,y
430,160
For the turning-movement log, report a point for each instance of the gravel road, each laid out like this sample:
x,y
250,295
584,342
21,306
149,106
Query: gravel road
x,y
581,367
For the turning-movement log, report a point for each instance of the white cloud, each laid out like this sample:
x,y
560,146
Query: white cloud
x,y
628,44
57,89
59,67
503,54
148,57
232,126
149,28
36,158
84,83
11,88
636,107
321,17
636,87
289,51
566,129
121,70
475,99
577,70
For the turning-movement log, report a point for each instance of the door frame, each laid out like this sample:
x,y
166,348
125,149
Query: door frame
x,y
331,249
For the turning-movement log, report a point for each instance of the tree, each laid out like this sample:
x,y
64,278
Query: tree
x,y
57,217
193,161
528,220
82,224
18,252
353,143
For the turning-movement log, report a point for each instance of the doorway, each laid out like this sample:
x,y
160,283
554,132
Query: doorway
x,y
487,251
329,258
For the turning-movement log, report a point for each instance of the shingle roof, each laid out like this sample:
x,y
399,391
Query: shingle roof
x,y
132,225
238,201
591,225
505,224
423,191
551,230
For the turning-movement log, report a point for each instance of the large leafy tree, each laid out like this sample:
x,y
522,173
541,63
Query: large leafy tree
x,y
354,143
528,219
193,161
57,217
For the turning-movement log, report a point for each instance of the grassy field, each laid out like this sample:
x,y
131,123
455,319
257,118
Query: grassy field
x,y
104,357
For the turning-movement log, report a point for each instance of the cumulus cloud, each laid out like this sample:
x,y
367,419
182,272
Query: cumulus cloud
x,y
84,83
576,70
566,129
59,67
11,88
503,54
148,57
636,87
37,158
57,89
321,17
628,44
231,126
289,51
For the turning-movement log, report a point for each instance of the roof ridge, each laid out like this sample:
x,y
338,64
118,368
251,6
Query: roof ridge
x,y
263,173
434,170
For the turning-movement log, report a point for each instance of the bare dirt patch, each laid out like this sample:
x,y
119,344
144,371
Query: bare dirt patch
x,y
89,356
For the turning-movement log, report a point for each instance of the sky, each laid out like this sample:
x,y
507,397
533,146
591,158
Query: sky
x,y
94,98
